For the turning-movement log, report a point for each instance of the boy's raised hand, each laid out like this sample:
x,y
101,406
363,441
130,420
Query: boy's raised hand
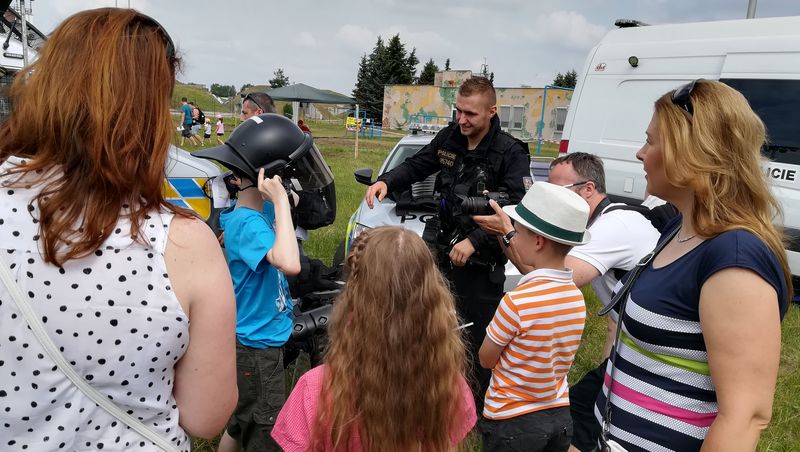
x,y
497,224
271,189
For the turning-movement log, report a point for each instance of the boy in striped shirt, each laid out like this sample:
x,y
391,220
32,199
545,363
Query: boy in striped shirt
x,y
534,335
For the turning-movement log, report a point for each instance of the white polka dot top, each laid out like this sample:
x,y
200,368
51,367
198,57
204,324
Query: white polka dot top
x,y
114,317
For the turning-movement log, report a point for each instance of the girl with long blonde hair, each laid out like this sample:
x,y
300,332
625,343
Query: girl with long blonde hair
x,y
393,378
697,359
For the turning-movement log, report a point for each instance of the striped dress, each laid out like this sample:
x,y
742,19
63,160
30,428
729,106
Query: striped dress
x,y
540,325
663,398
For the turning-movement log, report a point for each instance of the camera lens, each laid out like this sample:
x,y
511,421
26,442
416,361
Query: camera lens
x,y
476,205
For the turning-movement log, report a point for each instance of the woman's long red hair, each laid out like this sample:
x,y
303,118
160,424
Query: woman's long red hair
x,y
396,359
91,118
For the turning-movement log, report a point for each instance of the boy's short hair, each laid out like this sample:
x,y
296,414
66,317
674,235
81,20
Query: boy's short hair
x,y
561,248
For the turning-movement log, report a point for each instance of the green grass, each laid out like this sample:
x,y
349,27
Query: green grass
x,y
783,433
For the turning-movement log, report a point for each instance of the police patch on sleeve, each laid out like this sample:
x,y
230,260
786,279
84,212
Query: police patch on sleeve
x,y
446,158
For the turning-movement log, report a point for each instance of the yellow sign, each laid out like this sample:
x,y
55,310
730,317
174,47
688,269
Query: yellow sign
x,y
352,123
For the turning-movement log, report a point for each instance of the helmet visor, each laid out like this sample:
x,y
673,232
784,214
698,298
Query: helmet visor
x,y
310,170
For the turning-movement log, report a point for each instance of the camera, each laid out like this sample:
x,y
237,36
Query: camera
x,y
479,205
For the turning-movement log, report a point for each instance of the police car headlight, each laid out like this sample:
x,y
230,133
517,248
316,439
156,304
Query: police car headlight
x,y
357,230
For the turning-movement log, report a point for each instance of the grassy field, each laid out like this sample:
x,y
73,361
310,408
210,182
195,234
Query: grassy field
x,y
783,433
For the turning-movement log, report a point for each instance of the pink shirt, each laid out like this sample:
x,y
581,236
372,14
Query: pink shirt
x,y
295,423
220,126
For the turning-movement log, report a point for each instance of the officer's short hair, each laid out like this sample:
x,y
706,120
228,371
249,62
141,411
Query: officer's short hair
x,y
478,85
587,166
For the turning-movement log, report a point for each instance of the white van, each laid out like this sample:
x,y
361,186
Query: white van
x,y
633,65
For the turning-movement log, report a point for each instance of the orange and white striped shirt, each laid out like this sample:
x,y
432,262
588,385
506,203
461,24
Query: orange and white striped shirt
x,y
540,325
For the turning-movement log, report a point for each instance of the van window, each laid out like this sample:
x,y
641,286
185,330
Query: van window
x,y
777,103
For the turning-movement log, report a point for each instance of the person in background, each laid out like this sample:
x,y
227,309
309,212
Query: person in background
x,y
303,126
409,390
220,129
532,340
255,104
206,131
697,360
106,262
186,122
195,123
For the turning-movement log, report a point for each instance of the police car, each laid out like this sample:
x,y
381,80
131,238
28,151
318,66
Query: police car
x,y
411,210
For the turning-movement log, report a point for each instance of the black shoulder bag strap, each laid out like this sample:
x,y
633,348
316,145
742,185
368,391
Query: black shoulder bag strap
x,y
621,299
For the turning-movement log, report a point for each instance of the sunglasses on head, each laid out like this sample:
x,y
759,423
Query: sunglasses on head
x,y
682,97
251,99
170,45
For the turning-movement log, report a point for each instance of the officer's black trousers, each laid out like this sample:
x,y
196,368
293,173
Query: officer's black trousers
x,y
477,298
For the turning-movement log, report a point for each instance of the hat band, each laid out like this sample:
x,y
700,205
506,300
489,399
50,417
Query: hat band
x,y
546,227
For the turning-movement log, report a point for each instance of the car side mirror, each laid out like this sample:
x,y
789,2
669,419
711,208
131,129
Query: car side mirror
x,y
363,176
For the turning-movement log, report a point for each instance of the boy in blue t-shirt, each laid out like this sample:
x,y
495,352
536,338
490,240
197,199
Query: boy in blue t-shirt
x,y
261,248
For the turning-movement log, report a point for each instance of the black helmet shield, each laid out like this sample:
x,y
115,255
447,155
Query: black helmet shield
x,y
268,141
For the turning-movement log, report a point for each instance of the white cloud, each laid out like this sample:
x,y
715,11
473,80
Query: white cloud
x,y
356,36
569,28
430,42
464,12
306,39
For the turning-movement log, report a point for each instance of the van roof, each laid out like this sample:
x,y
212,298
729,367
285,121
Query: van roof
x,y
741,28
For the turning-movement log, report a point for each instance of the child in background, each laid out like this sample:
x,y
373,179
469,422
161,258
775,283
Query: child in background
x,y
207,131
534,335
393,378
220,129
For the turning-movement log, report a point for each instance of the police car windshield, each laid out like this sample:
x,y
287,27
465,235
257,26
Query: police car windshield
x,y
402,152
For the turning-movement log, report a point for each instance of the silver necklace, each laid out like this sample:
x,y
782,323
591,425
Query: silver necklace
x,y
685,239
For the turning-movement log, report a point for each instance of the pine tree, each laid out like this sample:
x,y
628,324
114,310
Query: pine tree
x,y
567,80
388,64
428,74
280,79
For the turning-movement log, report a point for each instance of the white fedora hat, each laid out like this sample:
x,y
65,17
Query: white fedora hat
x,y
554,212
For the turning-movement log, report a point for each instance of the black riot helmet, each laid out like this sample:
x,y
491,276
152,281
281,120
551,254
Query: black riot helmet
x,y
275,143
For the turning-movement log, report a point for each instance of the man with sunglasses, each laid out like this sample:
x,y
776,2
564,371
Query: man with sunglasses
x,y
256,104
620,238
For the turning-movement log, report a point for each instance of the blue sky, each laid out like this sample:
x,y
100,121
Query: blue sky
x,y
524,42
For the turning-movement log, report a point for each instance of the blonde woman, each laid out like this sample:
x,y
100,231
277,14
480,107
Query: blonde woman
x,y
393,378
697,359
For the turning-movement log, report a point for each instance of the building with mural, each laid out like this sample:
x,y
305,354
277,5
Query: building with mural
x,y
431,107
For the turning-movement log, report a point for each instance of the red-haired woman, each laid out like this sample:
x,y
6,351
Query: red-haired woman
x,y
105,262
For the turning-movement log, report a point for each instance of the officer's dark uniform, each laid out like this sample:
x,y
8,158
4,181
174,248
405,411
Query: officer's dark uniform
x,y
498,163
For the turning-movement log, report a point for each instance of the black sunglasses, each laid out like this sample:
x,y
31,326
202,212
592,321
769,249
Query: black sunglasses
x,y
251,99
682,97
170,45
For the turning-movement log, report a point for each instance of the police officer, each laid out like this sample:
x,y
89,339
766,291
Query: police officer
x,y
472,156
